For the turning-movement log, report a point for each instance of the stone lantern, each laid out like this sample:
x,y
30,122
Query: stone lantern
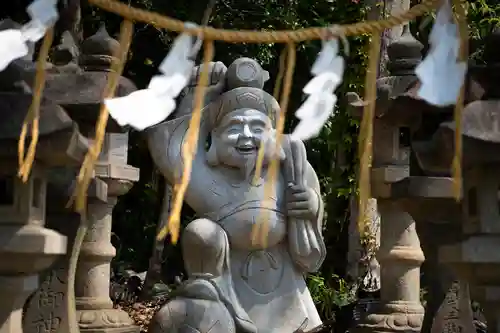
x,y
80,92
400,255
27,247
77,83
47,308
476,256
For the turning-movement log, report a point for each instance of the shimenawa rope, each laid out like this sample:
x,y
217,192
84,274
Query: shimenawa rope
x,y
248,36
33,115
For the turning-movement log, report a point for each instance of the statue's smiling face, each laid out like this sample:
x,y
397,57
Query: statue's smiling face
x,y
238,136
242,130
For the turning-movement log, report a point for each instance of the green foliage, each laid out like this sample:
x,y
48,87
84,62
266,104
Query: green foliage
x,y
483,16
329,294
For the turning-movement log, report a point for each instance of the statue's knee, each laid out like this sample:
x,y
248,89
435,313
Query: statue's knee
x,y
204,247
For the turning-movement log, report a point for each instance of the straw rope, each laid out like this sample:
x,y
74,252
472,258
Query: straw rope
x,y
456,167
276,92
261,228
33,115
189,148
365,149
248,36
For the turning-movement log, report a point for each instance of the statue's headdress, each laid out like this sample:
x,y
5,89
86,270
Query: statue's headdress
x,y
245,80
242,98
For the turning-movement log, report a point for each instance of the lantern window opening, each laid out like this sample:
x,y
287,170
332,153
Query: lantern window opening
x,y
37,193
404,137
472,208
7,192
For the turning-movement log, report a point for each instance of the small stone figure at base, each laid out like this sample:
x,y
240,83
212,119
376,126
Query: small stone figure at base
x,y
206,302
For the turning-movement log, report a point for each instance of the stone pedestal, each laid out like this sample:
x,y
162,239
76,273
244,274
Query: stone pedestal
x,y
46,309
476,258
400,258
95,308
26,247
455,313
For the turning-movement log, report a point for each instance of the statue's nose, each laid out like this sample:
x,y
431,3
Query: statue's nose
x,y
247,133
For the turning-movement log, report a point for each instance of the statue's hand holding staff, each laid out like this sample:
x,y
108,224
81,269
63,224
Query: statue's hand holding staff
x,y
302,202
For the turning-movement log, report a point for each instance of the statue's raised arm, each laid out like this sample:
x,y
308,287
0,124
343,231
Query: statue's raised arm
x,y
238,87
165,139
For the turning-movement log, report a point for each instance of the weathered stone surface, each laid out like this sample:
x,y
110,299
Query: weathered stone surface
x,y
46,309
455,314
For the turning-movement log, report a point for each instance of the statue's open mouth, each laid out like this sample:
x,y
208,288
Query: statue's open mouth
x,y
246,149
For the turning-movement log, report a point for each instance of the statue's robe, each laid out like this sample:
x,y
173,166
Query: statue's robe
x,y
268,278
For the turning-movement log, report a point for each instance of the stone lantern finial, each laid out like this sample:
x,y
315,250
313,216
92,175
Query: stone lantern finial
x,y
404,54
97,51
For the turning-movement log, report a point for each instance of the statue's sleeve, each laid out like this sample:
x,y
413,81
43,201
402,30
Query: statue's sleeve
x,y
305,238
165,140
165,146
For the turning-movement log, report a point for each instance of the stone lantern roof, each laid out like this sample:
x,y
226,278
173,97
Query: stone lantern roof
x,y
60,141
80,91
396,93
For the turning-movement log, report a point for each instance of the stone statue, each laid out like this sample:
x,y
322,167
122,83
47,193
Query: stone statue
x,y
239,117
206,302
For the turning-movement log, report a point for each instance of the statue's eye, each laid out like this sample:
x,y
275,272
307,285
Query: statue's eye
x,y
233,130
257,129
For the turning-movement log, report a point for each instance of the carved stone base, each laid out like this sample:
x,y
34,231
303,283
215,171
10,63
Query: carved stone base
x,y
105,321
393,317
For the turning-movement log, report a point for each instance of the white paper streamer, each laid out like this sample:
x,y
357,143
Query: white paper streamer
x,y
440,74
328,71
13,42
148,107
